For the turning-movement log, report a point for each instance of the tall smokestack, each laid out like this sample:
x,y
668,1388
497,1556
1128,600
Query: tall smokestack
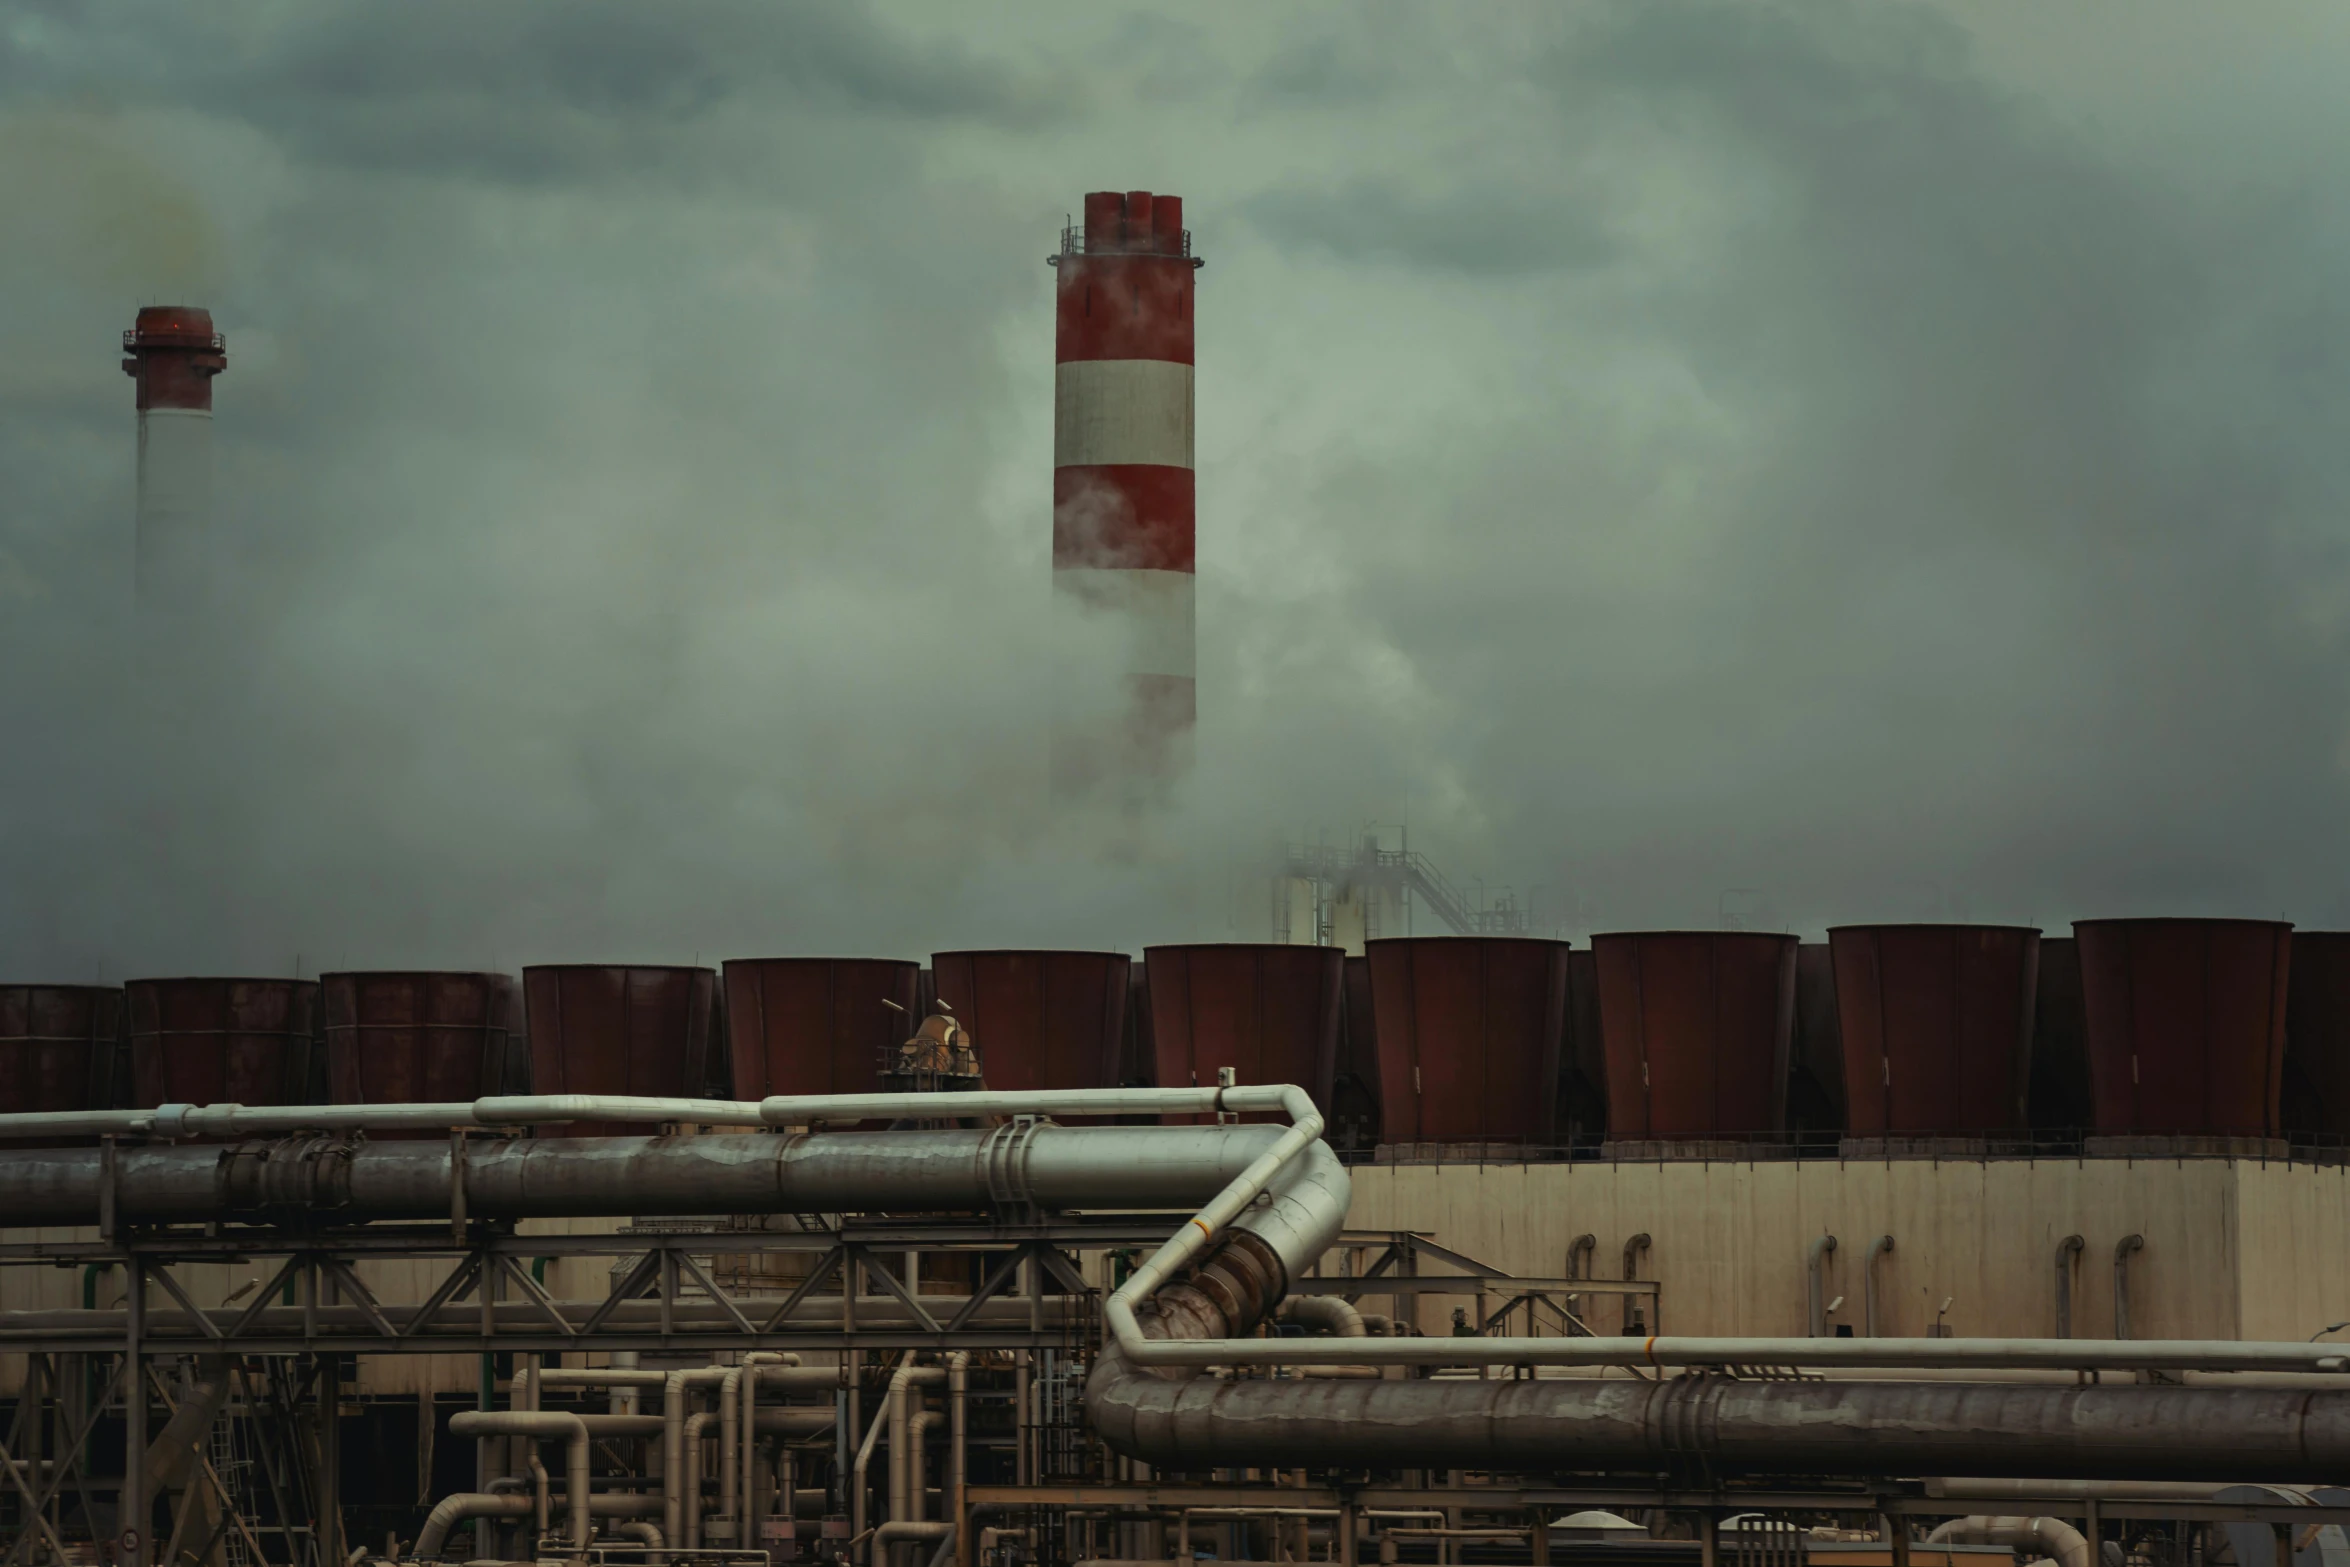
x,y
173,354
1122,495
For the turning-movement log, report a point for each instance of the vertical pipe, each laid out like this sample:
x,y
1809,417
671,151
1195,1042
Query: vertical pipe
x,y
844,1428
746,1528
695,1424
538,1492
330,1462
1024,1470
856,1476
1821,1250
959,1455
575,1483
1709,1540
675,1395
730,1414
485,1397
133,1508
896,1410
2122,1252
918,1464
1635,1320
2067,1250
787,1482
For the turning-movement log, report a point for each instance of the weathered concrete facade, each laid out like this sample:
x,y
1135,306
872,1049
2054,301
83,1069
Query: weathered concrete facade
x,y
2233,1248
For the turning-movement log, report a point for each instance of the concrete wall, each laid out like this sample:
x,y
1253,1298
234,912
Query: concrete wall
x,y
2233,1249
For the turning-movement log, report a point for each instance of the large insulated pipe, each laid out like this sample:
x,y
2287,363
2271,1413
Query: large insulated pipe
x,y
510,1110
1287,1209
1988,1355
1756,1427
1052,1167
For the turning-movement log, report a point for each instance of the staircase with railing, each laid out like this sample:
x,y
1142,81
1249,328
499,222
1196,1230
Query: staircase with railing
x,y
1405,872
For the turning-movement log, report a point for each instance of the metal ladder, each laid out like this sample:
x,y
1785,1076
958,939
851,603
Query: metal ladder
x,y
235,1468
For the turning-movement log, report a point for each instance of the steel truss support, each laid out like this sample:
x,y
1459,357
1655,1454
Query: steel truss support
x,y
667,1296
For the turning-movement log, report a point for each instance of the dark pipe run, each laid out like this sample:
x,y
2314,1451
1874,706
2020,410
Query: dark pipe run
x,y
1774,1428
1052,1167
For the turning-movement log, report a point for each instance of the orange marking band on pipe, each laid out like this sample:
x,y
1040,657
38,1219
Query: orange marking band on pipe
x,y
1649,1349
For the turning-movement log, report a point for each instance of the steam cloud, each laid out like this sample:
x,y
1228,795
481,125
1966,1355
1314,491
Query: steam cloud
x,y
1823,463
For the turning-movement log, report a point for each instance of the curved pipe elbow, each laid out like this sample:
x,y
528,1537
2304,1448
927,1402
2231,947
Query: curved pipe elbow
x,y
909,1529
2053,1536
543,1425
1333,1314
1881,1246
455,1509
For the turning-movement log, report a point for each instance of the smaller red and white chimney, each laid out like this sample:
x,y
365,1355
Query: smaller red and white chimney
x,y
173,354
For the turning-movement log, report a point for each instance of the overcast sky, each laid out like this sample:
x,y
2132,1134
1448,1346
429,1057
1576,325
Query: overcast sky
x,y
1825,463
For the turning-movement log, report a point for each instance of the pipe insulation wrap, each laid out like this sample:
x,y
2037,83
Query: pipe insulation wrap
x,y
1751,1427
1053,1167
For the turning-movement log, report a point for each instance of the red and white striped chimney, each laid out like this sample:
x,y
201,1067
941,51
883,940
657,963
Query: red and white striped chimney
x,y
173,354
1122,494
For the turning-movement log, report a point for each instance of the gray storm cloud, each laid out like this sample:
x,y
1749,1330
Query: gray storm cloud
x,y
1843,462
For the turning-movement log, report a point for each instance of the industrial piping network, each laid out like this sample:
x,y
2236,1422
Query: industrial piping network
x,y
1279,1200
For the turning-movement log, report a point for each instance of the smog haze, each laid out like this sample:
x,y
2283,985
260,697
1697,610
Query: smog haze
x,y
1833,462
